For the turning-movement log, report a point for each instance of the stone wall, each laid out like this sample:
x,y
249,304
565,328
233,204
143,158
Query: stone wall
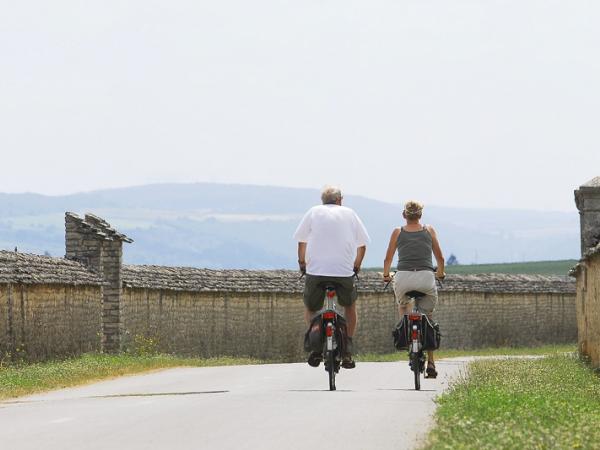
x,y
588,308
471,320
270,325
44,321
92,242
587,272
260,325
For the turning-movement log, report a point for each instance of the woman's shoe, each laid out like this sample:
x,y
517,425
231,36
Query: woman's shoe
x,y
431,372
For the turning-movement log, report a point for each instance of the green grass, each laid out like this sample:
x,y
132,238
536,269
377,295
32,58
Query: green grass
x,y
529,268
23,379
497,351
548,403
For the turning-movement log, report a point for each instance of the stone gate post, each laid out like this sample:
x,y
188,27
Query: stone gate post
x,y
587,272
97,245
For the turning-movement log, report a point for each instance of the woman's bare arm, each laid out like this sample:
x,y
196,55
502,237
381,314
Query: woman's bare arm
x,y
437,252
389,255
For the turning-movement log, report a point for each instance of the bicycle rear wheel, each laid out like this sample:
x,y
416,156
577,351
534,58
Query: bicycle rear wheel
x,y
415,366
331,370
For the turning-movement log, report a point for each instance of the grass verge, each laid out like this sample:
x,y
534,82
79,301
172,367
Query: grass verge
x,y
503,351
26,379
553,402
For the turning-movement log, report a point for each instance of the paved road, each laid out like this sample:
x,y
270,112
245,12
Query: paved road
x,y
279,406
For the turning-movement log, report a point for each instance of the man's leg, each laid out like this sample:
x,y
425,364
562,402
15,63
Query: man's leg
x,y
351,319
351,322
313,302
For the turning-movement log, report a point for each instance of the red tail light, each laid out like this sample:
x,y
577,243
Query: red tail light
x,y
330,294
329,315
329,331
414,317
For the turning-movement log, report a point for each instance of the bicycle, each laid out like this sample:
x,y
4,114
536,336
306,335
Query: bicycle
x,y
327,335
412,325
331,349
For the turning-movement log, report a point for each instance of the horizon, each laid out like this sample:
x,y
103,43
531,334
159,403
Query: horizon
x,y
352,194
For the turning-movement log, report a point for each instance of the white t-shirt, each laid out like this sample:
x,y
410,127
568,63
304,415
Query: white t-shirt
x,y
332,233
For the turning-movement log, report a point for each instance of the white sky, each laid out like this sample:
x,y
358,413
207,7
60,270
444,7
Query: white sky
x,y
468,103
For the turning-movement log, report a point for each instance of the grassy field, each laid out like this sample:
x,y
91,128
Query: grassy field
x,y
548,403
530,268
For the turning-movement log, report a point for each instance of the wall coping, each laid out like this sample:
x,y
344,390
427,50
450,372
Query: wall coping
x,y
287,281
27,268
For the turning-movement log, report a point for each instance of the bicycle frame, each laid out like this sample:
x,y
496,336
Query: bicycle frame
x,y
416,356
331,355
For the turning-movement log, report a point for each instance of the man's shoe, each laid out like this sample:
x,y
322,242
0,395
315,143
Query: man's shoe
x,y
314,359
348,362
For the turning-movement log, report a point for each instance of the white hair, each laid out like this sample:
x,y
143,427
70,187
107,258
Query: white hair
x,y
331,195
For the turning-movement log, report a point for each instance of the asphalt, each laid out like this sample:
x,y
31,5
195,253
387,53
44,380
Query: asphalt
x,y
275,406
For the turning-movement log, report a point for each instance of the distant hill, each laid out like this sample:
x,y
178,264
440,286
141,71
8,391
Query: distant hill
x,y
226,226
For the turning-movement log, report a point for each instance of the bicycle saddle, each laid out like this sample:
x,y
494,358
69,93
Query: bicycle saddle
x,y
415,294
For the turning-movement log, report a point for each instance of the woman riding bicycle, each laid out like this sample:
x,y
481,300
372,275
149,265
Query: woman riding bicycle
x,y
415,243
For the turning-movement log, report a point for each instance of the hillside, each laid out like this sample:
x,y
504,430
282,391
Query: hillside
x,y
221,226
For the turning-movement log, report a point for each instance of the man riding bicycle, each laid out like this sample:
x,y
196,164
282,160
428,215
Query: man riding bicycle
x,y
415,243
332,242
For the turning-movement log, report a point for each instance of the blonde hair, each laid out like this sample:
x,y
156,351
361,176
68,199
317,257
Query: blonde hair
x,y
330,195
413,210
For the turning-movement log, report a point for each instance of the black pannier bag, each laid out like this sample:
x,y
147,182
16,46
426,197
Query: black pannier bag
x,y
400,334
431,334
315,335
314,338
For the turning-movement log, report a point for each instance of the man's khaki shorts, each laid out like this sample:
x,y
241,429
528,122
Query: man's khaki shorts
x,y
314,290
419,280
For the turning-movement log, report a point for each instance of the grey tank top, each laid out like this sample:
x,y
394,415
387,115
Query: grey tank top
x,y
414,250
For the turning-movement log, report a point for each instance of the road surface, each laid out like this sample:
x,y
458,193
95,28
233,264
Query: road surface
x,y
276,406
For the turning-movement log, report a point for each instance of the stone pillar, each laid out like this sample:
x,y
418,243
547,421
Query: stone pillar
x,y
94,243
587,272
587,199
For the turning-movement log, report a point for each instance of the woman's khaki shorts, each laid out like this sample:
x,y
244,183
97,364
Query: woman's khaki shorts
x,y
420,280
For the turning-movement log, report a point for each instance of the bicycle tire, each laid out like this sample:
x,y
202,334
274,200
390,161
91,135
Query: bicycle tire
x,y
416,369
331,369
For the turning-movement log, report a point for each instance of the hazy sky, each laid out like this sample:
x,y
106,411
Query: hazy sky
x,y
467,103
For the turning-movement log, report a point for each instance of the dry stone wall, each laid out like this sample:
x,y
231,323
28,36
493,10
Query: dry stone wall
x,y
588,308
212,322
45,321
587,272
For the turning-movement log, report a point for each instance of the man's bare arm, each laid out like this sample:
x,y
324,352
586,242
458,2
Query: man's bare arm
x,y
302,256
360,254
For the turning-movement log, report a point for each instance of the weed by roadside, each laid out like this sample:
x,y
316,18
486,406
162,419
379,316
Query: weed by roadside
x,y
22,379
552,402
